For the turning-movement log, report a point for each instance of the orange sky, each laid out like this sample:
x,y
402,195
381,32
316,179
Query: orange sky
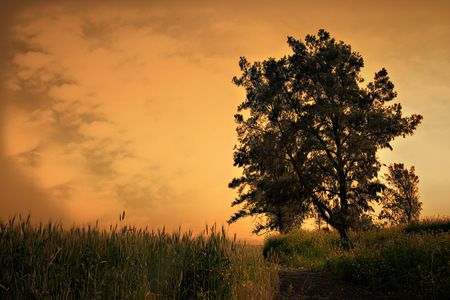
x,y
113,106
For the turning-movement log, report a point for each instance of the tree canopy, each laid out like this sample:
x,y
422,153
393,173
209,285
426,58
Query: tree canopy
x,y
308,132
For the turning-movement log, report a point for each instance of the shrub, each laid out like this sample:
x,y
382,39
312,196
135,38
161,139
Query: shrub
x,y
301,248
415,265
429,225
410,262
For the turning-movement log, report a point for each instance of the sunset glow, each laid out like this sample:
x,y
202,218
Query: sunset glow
x,y
115,107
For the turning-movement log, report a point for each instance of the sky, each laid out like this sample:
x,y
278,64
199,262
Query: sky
x,y
111,106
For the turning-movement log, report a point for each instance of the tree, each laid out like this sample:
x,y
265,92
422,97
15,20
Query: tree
x,y
401,197
308,113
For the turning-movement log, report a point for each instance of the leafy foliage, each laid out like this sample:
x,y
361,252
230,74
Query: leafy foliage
x,y
308,133
276,196
401,198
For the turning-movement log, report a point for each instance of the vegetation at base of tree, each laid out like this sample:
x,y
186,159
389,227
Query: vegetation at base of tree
x,y
308,135
408,260
303,248
429,225
46,261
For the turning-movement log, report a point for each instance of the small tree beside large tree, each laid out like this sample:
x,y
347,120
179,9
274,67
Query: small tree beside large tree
x,y
401,197
309,115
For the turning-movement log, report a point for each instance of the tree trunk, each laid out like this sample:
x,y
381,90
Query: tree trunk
x,y
345,237
344,234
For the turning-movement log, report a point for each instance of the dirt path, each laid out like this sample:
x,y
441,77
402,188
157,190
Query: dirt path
x,y
299,283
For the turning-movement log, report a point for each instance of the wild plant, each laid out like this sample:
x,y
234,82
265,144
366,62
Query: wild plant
x,y
38,261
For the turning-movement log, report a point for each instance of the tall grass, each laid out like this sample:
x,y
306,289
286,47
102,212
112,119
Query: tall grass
x,y
414,265
412,260
429,225
47,261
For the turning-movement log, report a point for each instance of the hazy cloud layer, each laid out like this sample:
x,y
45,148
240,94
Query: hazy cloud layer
x,y
111,106
107,122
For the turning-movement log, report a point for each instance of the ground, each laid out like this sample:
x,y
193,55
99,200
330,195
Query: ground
x,y
300,283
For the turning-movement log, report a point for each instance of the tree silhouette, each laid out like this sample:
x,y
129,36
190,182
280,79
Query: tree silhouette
x,y
307,113
401,197
270,191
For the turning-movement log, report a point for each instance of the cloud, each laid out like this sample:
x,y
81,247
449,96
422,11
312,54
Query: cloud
x,y
110,106
87,129
22,194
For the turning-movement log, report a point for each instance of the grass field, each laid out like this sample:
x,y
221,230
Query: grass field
x,y
47,261
412,260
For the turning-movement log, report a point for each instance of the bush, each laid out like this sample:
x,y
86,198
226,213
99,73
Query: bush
x,y
301,248
413,265
429,225
412,261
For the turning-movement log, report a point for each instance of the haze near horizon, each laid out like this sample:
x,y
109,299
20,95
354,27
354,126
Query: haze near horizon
x,y
113,107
